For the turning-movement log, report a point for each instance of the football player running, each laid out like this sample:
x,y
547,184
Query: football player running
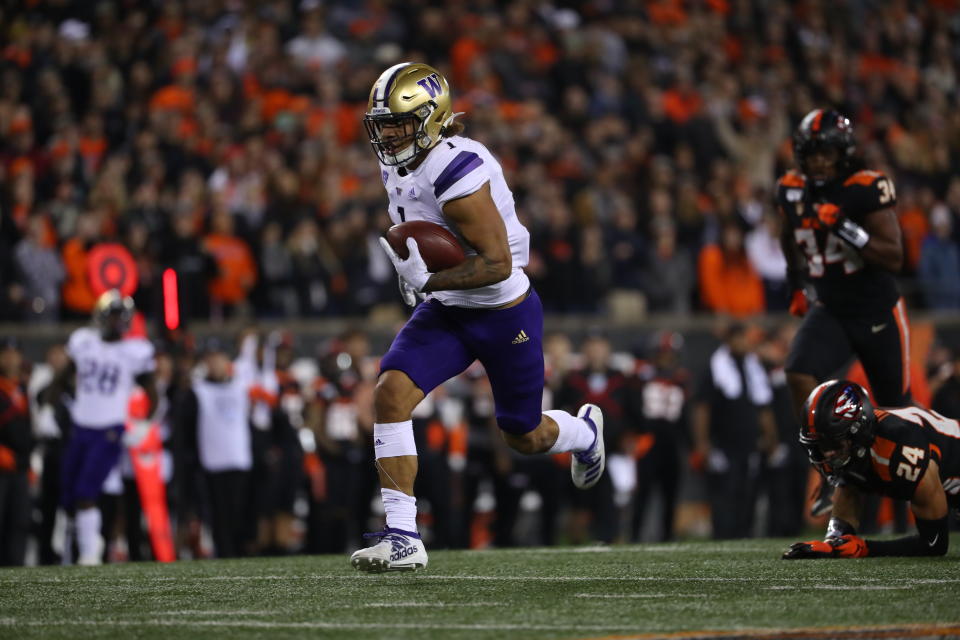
x,y
107,366
842,235
482,309
907,453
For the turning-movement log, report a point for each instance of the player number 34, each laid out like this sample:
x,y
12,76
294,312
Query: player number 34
x,y
836,250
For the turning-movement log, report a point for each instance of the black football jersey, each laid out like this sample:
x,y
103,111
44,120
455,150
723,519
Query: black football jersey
x,y
906,440
844,282
658,399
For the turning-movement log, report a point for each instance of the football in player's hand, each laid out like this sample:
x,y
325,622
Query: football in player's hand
x,y
438,247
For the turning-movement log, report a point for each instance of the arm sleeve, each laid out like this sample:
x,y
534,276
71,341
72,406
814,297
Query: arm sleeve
x,y
932,539
464,174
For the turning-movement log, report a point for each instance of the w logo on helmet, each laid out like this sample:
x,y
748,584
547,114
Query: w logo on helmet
x,y
847,404
431,84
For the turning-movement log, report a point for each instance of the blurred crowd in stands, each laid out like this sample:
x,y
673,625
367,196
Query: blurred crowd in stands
x,y
690,453
641,139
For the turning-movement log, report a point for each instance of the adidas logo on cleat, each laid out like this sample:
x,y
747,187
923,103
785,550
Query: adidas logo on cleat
x,y
521,337
402,553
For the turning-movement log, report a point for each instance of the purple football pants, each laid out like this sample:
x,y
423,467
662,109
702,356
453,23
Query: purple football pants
x,y
440,342
87,461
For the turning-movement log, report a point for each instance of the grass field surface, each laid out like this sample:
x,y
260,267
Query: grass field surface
x,y
699,589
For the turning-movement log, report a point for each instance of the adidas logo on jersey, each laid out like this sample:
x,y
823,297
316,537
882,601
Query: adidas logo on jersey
x,y
521,337
378,442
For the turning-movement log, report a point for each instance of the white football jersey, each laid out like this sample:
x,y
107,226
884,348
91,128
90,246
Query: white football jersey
x,y
456,168
106,373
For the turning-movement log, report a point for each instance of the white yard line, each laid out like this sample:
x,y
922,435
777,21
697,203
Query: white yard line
x,y
590,549
634,596
840,587
202,612
430,605
646,548
263,624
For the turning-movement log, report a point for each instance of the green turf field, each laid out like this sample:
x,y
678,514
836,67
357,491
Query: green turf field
x,y
535,593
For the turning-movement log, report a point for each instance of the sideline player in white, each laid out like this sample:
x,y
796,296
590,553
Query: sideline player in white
x,y
107,366
483,309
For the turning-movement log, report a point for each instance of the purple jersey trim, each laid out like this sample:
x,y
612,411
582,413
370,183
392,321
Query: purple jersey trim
x,y
464,163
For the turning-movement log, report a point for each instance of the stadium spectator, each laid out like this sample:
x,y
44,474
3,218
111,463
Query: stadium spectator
x,y
668,277
657,399
78,295
946,398
785,470
40,271
599,383
340,413
195,267
237,272
16,442
728,282
763,249
52,424
732,425
95,114
939,269
217,411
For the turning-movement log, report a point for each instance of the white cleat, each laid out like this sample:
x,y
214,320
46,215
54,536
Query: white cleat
x,y
396,551
586,467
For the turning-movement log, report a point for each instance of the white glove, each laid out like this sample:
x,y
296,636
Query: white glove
x,y
409,295
717,461
413,270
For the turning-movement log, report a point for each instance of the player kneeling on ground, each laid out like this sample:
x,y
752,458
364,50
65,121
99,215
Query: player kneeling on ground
x,y
907,453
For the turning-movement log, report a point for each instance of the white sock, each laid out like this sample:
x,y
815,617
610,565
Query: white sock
x,y
575,434
88,532
401,510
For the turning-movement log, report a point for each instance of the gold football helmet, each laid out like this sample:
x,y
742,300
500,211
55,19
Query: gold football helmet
x,y
408,112
113,313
